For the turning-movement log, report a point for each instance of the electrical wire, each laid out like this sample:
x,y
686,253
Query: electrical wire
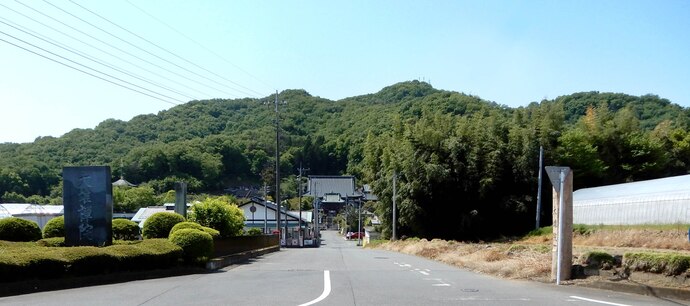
x,y
87,56
121,50
98,71
144,50
167,51
82,71
272,88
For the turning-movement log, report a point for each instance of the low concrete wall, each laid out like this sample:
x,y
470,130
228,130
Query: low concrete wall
x,y
224,261
240,244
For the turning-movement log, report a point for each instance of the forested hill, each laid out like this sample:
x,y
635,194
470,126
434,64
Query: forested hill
x,y
212,144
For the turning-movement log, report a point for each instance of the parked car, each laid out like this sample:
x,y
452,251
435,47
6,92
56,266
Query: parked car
x,y
357,235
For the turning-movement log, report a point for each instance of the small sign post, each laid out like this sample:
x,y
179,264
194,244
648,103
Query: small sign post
x,y
562,250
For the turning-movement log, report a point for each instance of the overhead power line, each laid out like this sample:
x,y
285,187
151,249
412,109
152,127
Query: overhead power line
x,y
121,50
16,27
87,56
202,46
46,46
86,72
146,51
169,52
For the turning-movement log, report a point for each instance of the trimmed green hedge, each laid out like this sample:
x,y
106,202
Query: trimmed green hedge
x,y
184,225
21,261
662,263
193,225
124,229
196,244
17,229
159,224
54,228
52,242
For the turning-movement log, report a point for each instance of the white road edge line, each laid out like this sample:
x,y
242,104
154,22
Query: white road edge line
x,y
424,272
326,289
597,301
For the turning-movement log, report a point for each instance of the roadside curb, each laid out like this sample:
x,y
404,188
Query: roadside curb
x,y
42,285
637,288
224,261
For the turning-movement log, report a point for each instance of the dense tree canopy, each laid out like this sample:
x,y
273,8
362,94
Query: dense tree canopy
x,y
460,160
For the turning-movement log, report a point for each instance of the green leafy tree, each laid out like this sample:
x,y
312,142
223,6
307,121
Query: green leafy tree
x,y
129,199
219,214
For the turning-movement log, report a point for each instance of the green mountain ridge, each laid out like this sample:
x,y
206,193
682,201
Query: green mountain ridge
x,y
212,144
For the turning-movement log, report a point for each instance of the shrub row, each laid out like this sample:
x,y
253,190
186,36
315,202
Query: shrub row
x,y
20,261
17,229
662,263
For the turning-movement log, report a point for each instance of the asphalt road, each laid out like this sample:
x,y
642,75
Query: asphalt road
x,y
338,273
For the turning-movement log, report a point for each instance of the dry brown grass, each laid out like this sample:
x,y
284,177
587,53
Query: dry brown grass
x,y
530,258
636,238
528,262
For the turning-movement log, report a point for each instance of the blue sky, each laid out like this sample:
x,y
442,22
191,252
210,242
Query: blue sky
x,y
510,52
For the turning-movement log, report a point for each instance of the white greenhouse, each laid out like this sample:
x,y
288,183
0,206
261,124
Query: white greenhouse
x,y
34,212
659,201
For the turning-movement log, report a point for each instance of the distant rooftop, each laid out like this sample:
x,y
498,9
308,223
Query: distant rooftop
x,y
344,185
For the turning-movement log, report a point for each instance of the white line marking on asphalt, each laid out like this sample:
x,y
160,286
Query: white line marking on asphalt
x,y
326,289
440,282
427,270
597,301
424,272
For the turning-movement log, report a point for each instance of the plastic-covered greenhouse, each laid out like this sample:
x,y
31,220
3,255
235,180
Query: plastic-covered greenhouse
x,y
33,212
660,201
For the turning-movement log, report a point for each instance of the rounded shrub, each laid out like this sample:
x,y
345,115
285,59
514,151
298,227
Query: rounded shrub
x,y
254,232
124,229
159,224
193,225
214,233
196,245
54,228
186,224
17,229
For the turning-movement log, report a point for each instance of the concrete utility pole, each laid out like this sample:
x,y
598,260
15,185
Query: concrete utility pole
x,y
562,248
265,211
359,231
301,235
395,176
541,166
278,169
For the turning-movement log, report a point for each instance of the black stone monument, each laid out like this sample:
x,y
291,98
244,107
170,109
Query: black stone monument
x,y
88,203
